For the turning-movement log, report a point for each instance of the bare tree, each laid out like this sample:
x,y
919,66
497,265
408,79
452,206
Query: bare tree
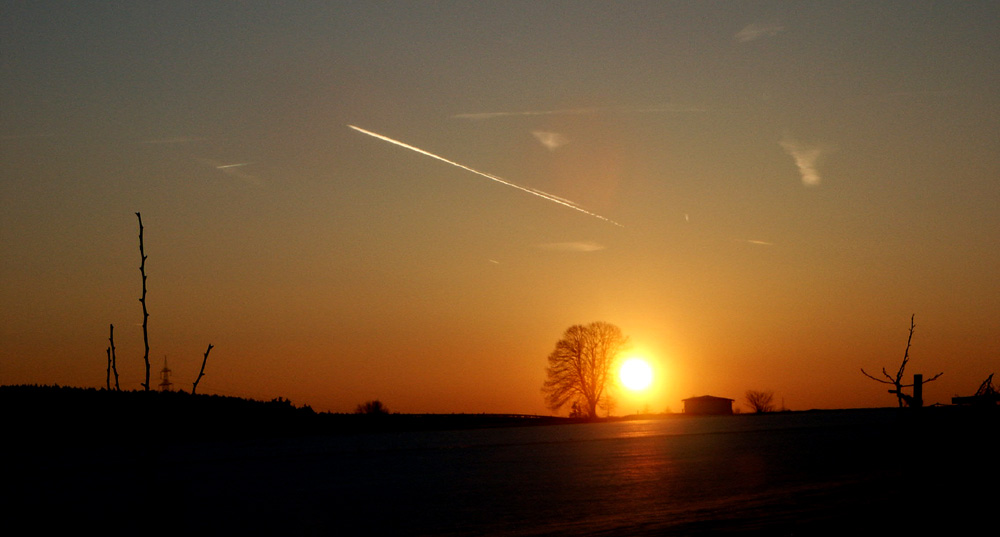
x,y
609,404
372,407
760,402
112,366
581,366
897,380
145,313
201,373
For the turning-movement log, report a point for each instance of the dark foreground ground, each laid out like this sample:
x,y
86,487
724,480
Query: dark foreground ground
x,y
101,415
129,464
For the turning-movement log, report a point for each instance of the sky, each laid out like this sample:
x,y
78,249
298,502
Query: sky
x,y
412,201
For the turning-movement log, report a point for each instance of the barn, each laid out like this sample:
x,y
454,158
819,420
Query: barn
x,y
707,404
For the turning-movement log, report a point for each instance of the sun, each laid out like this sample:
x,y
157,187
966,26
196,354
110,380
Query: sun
x,y
636,374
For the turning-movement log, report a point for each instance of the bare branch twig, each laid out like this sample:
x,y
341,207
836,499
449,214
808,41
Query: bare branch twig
x,y
876,379
107,380
906,353
922,382
202,372
113,360
897,381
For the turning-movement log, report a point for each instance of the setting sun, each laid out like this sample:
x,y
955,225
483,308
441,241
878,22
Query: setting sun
x,y
636,374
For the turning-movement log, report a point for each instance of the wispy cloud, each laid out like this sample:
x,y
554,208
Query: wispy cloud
x,y
806,158
175,140
755,242
755,31
551,140
661,109
579,246
235,170
6,137
491,115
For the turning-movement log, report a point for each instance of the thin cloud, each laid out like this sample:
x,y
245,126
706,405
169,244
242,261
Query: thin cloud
x,y
551,140
806,157
579,246
235,170
7,137
661,109
491,115
755,31
175,140
755,242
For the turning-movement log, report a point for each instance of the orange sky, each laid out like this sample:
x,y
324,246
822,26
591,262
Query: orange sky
x,y
793,181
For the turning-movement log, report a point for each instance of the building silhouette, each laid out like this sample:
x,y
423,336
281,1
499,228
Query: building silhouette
x,y
708,405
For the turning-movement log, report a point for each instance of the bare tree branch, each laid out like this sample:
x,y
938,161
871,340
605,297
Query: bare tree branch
x,y
145,312
876,379
202,372
935,377
112,359
906,353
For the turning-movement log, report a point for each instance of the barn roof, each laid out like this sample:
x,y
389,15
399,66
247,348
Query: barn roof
x,y
707,398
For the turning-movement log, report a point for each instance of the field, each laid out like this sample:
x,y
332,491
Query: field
x,y
272,469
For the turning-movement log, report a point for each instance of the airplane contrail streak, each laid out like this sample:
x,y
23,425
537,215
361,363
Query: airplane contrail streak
x,y
532,191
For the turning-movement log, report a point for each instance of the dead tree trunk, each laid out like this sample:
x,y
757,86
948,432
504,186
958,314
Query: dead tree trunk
x,y
145,312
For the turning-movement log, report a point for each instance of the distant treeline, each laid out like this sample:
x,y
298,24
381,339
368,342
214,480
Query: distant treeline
x,y
38,412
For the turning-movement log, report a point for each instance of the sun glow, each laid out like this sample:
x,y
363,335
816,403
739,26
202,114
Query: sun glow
x,y
636,374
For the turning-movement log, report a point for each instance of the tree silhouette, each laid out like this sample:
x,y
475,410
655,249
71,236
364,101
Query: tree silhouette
x,y
897,381
760,402
581,366
372,407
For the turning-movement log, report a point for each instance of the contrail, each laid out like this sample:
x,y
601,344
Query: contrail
x,y
532,191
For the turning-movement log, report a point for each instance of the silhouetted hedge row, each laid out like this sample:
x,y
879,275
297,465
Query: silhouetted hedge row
x,y
37,414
